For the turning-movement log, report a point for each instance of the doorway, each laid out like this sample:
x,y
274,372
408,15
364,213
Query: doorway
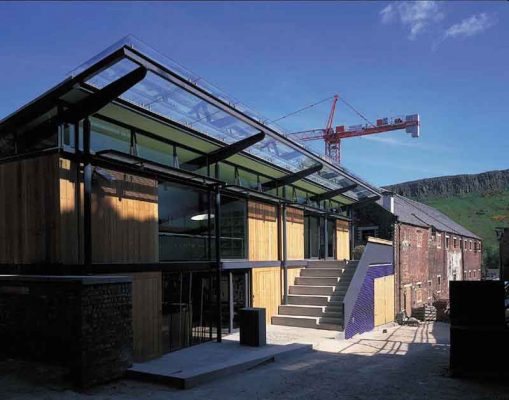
x,y
319,237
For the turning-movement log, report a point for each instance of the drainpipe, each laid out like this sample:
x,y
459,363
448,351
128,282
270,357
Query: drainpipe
x,y
87,198
462,247
217,232
284,244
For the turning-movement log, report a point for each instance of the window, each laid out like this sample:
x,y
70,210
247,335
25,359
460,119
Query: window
x,y
454,242
364,232
186,225
107,136
233,228
479,247
470,245
447,242
476,247
439,241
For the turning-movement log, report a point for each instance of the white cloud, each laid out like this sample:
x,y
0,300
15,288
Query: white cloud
x,y
416,16
470,26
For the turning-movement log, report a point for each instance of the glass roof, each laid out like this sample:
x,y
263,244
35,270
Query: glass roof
x,y
161,96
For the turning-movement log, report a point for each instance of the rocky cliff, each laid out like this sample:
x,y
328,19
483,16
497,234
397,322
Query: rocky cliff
x,y
448,186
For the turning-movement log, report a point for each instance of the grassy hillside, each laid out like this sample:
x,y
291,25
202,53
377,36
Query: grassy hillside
x,y
480,213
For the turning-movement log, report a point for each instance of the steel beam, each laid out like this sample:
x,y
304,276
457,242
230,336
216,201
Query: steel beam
x,y
223,153
94,102
332,193
291,178
361,203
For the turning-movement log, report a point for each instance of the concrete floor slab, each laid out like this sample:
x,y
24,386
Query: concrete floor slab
x,y
202,363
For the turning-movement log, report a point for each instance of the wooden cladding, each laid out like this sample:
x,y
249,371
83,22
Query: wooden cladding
x,y
266,290
342,240
147,315
262,231
125,219
292,274
295,233
29,211
384,300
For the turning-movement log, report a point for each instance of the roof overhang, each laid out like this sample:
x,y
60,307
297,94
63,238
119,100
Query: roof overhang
x,y
170,96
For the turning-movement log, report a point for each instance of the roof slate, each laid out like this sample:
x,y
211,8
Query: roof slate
x,y
415,213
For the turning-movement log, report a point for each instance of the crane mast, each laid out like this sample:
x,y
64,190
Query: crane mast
x,y
332,136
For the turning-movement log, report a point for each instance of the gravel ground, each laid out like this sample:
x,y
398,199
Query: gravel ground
x,y
403,363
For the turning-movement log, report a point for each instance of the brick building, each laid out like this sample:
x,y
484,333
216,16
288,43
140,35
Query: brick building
x,y
430,249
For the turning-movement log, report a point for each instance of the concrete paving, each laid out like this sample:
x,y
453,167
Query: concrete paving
x,y
402,363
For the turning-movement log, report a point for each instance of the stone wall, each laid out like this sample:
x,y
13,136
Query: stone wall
x,y
82,323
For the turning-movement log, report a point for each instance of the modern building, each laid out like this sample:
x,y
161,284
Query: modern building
x,y
430,249
134,166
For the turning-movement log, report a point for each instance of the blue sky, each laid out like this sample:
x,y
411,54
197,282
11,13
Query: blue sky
x,y
447,61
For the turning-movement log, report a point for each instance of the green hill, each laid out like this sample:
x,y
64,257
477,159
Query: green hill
x,y
478,202
480,213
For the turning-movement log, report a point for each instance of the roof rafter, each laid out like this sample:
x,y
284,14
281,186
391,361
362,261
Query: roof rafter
x,y
223,153
332,193
291,178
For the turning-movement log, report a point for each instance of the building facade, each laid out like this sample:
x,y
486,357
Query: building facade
x,y
130,167
430,249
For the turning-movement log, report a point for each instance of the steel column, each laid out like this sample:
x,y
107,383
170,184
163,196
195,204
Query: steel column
x,y
87,198
230,300
217,230
284,244
325,237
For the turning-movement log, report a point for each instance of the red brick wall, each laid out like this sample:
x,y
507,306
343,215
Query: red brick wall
x,y
472,260
412,258
426,265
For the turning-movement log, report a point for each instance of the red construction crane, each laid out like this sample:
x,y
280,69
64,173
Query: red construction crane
x,y
332,136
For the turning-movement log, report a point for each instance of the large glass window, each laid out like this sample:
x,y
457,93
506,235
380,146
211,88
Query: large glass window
x,y
186,225
233,228
107,136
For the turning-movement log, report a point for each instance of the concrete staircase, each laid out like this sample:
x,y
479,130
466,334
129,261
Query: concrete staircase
x,y
316,298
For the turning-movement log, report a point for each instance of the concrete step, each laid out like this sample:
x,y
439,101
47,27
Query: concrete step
x,y
337,281
326,264
308,322
314,300
317,281
311,311
321,272
320,290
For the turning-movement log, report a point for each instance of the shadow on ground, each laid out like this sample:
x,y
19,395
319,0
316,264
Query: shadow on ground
x,y
403,363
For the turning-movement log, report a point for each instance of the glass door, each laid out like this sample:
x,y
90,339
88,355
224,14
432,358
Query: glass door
x,y
331,239
312,236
